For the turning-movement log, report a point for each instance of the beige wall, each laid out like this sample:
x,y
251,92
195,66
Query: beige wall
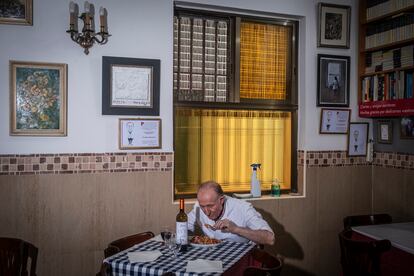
x,y
72,217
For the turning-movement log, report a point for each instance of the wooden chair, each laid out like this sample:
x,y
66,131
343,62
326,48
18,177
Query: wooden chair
x,y
14,257
126,242
350,221
270,265
361,258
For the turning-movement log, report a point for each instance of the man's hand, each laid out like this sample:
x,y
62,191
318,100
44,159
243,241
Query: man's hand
x,y
258,236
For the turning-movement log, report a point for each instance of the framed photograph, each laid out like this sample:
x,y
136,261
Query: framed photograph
x,y
385,132
139,133
407,128
16,12
358,139
334,121
334,25
333,81
130,86
38,99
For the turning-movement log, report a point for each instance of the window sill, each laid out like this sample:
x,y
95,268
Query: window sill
x,y
263,197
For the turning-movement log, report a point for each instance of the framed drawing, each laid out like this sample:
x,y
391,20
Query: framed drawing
x,y
17,12
38,98
407,128
334,121
139,133
334,25
333,81
130,86
358,139
385,132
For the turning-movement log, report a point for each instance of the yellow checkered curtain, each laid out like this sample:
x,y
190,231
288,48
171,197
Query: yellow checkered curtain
x,y
264,53
221,144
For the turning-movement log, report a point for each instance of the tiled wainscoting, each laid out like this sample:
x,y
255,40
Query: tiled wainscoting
x,y
74,163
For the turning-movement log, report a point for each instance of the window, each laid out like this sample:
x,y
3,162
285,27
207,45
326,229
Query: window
x,y
234,101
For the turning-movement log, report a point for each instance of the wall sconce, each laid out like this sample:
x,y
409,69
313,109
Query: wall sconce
x,y
87,37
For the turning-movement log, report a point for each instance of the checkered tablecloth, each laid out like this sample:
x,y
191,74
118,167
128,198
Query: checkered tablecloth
x,y
227,252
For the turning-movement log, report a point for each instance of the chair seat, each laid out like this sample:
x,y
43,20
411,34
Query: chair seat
x,y
270,265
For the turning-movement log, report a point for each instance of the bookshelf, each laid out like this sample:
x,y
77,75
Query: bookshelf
x,y
386,58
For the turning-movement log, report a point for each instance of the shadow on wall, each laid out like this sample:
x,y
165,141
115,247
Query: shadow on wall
x,y
285,246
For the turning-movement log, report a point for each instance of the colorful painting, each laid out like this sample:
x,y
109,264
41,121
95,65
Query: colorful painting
x,y
39,99
16,12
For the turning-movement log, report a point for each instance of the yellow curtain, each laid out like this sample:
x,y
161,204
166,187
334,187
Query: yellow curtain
x,y
220,145
264,51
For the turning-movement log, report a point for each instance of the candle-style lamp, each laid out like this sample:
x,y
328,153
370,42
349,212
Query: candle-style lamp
x,y
87,37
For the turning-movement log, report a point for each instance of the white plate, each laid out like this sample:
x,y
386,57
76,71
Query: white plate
x,y
204,245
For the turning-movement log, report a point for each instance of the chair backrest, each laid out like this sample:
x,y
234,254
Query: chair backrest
x,y
366,220
126,242
14,257
270,265
361,258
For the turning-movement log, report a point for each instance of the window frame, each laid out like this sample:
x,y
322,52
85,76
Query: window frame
x,y
233,95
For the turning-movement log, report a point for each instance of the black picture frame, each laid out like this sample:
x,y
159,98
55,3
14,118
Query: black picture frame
x,y
333,25
333,81
358,139
130,86
385,132
407,128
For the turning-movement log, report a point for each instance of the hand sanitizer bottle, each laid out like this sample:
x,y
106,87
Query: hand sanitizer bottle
x,y
255,183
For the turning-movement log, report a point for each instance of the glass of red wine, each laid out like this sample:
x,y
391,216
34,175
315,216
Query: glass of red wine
x,y
166,234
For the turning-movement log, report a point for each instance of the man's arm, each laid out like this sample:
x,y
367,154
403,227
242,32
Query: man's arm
x,y
258,236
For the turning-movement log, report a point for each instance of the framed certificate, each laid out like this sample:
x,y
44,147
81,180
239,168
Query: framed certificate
x,y
385,132
139,133
334,121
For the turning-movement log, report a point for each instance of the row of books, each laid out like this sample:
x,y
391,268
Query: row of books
x,y
389,59
377,8
391,86
389,31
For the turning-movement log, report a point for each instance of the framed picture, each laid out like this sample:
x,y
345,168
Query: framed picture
x,y
385,132
17,12
139,133
407,128
38,98
334,121
333,81
334,25
358,139
130,86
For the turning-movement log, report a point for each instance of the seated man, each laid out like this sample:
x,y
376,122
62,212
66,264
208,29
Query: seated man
x,y
228,218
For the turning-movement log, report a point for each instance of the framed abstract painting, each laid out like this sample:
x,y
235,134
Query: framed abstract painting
x,y
38,94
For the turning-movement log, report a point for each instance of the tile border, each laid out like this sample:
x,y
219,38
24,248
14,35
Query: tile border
x,y
75,163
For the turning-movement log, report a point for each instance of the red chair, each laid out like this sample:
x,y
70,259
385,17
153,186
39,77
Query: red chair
x,y
126,242
14,257
270,265
361,258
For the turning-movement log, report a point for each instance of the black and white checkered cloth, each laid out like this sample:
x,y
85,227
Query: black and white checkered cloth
x,y
227,252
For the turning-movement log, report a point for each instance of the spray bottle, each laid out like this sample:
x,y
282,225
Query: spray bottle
x,y
255,183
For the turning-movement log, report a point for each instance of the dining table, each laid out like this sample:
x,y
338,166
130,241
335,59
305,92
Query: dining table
x,y
399,259
234,257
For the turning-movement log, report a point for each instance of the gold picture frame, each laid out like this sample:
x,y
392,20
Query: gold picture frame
x,y
38,99
16,12
139,133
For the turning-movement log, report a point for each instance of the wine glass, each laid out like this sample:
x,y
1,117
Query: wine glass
x,y
165,234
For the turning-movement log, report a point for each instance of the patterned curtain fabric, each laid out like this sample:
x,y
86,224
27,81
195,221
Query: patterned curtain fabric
x,y
263,60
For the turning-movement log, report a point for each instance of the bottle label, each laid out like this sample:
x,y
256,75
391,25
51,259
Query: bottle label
x,y
182,232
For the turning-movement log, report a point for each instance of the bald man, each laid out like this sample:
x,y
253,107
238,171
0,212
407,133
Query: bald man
x,y
228,218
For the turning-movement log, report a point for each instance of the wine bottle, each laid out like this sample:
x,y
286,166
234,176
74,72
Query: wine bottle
x,y
182,227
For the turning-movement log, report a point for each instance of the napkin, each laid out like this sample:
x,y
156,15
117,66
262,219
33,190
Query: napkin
x,y
143,256
200,266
